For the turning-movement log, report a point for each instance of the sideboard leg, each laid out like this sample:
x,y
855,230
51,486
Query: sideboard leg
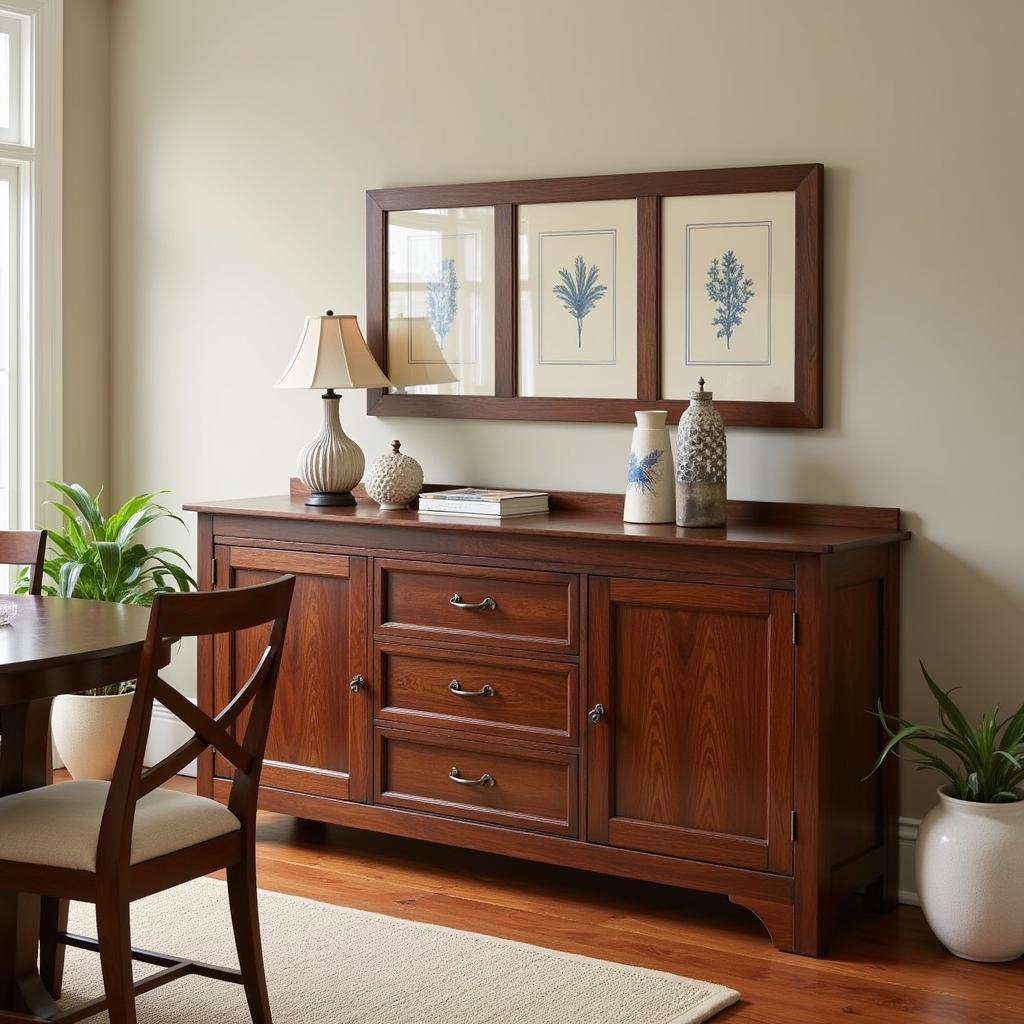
x,y
778,918
880,895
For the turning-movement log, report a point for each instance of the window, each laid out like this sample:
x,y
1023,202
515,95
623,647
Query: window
x,y
30,212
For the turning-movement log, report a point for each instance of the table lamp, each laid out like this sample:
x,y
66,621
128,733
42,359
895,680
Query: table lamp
x,y
332,353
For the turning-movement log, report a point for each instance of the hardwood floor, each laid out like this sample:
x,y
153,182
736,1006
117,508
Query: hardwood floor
x,y
880,968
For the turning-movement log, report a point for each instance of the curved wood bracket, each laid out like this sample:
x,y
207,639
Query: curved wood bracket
x,y
779,919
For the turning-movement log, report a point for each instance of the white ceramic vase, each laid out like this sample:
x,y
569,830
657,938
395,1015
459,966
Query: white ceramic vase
x,y
970,876
650,479
87,732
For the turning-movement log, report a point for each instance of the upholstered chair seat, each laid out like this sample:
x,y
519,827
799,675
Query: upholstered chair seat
x,y
59,826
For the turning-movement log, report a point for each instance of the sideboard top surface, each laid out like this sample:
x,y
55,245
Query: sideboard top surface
x,y
765,526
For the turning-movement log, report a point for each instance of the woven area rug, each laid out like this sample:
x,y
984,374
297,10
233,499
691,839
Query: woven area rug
x,y
332,965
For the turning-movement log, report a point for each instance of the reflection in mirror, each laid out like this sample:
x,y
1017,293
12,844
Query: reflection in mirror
x,y
441,301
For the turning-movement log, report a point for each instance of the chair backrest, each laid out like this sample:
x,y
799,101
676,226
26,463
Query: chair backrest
x,y
172,617
28,548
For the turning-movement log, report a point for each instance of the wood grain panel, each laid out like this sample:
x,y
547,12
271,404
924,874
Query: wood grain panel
x,y
531,789
532,610
530,700
857,659
309,744
696,762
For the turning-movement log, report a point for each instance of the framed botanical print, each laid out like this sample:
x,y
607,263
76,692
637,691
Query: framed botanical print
x,y
586,299
577,299
728,295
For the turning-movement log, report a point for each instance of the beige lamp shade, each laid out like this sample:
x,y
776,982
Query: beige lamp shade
x,y
430,367
332,353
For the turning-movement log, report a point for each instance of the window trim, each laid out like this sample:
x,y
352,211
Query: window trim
x,y
40,159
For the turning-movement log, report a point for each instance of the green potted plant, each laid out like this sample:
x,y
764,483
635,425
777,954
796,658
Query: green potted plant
x,y
100,558
970,848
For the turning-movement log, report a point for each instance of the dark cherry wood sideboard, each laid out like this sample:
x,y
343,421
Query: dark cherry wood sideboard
x,y
690,707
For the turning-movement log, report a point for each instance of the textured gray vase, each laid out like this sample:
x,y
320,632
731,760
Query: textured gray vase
x,y
700,463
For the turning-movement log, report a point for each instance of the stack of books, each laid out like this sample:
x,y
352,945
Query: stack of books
x,y
479,501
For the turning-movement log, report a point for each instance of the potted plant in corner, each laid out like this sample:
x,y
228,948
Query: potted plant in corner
x,y
99,558
970,848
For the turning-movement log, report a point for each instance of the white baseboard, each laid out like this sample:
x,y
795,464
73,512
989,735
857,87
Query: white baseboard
x,y
907,891
166,734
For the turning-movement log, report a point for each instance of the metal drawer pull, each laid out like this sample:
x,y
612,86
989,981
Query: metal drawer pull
x,y
596,713
358,682
485,691
488,604
485,780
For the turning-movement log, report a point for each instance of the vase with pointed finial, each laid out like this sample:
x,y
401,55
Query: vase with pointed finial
x,y
700,463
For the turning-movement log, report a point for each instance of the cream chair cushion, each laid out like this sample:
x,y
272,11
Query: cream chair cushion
x,y
59,826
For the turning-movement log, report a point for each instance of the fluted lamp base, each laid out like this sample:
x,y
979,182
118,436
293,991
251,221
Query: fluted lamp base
x,y
332,464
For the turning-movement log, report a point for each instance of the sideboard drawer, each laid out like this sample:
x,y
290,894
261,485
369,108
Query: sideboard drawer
x,y
525,789
513,697
506,608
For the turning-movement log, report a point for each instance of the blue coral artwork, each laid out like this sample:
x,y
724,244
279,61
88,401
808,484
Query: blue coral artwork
x,y
579,292
442,300
643,472
730,289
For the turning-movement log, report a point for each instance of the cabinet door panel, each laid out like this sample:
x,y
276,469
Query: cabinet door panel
x,y
693,757
319,733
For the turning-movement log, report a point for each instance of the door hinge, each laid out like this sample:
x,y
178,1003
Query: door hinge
x,y
794,627
792,825
213,572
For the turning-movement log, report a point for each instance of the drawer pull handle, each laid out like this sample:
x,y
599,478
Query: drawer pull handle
x,y
358,682
596,713
485,780
485,691
488,604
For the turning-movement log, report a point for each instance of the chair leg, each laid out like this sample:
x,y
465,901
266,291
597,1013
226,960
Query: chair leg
x,y
246,923
54,921
113,930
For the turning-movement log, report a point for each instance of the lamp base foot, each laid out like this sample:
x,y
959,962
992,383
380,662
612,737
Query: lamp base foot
x,y
334,499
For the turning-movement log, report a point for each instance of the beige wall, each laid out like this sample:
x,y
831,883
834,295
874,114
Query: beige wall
x,y
87,241
246,131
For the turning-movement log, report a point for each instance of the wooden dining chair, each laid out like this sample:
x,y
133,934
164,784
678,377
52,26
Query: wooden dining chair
x,y
28,548
113,843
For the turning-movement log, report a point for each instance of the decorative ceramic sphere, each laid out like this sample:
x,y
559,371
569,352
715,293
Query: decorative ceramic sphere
x,y
700,463
394,479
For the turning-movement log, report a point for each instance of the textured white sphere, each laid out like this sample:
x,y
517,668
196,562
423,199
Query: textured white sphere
x,y
394,479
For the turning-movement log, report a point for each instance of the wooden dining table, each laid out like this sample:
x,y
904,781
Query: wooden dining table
x,y
54,646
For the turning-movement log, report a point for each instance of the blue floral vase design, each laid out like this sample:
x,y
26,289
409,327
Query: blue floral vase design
x,y
650,477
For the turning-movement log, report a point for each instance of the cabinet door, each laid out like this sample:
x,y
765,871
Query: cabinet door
x,y
693,756
320,731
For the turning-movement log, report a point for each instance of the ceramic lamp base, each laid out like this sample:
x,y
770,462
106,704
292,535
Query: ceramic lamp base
x,y
332,499
332,463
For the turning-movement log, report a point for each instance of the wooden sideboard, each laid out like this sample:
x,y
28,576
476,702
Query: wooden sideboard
x,y
685,706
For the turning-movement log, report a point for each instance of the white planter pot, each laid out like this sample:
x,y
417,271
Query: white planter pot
x,y
87,732
970,876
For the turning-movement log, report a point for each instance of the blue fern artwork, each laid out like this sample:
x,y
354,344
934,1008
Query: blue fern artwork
x,y
442,300
579,292
642,474
731,291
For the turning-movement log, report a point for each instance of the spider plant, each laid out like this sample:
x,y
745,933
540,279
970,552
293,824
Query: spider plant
x,y
983,762
99,557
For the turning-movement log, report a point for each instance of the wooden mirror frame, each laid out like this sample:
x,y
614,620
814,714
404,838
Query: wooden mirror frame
x,y
805,180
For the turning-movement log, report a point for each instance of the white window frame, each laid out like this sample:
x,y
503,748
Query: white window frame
x,y
36,153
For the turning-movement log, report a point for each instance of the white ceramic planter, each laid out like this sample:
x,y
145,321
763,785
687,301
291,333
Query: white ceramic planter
x,y
650,478
970,876
87,732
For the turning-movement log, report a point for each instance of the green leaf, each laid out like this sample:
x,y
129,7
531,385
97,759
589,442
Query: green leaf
x,y
85,504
